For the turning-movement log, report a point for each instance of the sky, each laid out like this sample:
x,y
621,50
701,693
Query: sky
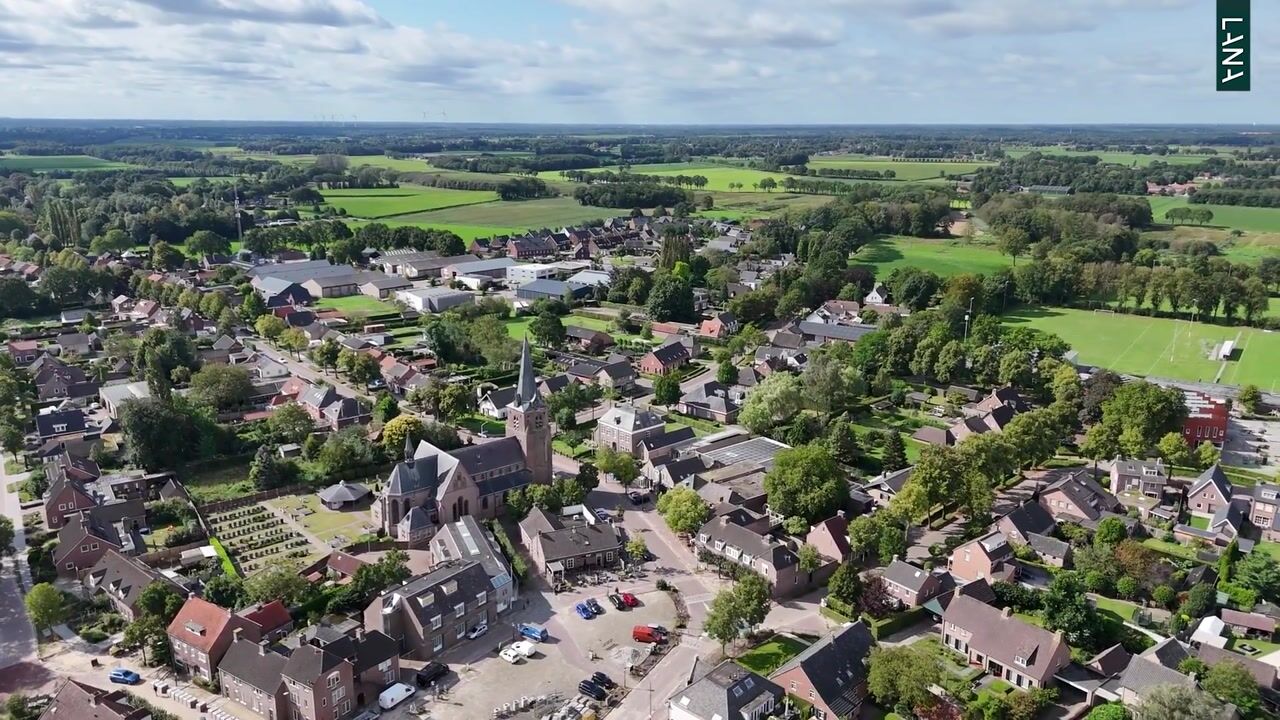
x,y
631,61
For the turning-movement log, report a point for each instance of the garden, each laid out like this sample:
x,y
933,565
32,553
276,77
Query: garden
x,y
255,537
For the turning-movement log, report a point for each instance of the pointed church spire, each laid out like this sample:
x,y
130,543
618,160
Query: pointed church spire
x,y
408,447
527,394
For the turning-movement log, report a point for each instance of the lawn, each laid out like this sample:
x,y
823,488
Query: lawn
x,y
478,423
1115,157
1122,610
1238,217
404,200
1264,647
903,169
1160,347
1270,548
1168,548
27,163
944,257
1250,247
1199,523
322,522
355,303
769,656
225,483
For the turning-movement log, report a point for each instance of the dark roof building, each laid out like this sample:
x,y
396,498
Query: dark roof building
x,y
729,691
831,674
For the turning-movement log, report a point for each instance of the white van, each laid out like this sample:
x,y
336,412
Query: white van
x,y
395,695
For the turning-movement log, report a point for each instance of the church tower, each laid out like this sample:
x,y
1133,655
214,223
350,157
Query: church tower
x,y
527,420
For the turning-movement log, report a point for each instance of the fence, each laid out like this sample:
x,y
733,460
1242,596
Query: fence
x,y
223,505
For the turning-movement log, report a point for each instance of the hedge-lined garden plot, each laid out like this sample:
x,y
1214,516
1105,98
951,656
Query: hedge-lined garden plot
x,y
255,537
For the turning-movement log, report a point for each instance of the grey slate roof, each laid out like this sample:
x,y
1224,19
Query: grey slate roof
x,y
254,665
484,457
849,333
728,692
670,438
344,492
436,592
1217,478
835,666
560,539
527,395
1087,494
125,577
905,574
1047,546
310,663
1030,517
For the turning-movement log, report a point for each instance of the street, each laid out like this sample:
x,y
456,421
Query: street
x,y
17,638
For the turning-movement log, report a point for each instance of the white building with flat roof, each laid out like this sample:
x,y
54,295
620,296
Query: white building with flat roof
x,y
434,299
523,273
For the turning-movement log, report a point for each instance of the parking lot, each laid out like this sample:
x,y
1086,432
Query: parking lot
x,y
1253,444
482,682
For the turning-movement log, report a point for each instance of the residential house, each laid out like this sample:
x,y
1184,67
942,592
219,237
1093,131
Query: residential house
x,y
825,333
616,373
912,585
830,538
728,692
466,540
998,398
588,340
765,555
87,536
319,684
272,618
665,359
1051,550
1249,624
23,352
989,557
656,449
250,675
78,701
337,567
200,634
879,295
374,657
1141,477
60,423
531,248
884,487
77,343
434,612
719,326
1210,493
830,676
570,541
1077,497
1021,654
494,402
710,400
327,407
625,426
1025,520
122,579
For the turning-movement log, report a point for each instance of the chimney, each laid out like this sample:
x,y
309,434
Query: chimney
x,y
956,593
724,521
840,514
237,634
262,648
895,558
360,633
93,700
1007,612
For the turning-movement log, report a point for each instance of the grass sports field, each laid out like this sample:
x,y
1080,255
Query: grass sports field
x,y
1161,347
355,303
406,199
944,257
1118,158
903,170
1237,217
37,163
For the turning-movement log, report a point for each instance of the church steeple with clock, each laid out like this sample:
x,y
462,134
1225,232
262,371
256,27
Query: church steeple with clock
x,y
528,420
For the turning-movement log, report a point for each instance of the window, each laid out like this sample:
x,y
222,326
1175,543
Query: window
x,y
338,693
459,609
811,695
793,686
481,598
438,643
436,622
60,427
462,630
332,682
1020,661
568,563
346,707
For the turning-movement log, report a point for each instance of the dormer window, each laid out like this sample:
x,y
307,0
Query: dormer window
x,y
1268,494
1020,661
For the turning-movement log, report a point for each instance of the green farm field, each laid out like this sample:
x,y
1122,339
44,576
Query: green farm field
x,y
903,170
944,257
1237,217
1249,247
354,161
510,217
718,176
355,303
1160,347
1117,158
38,163
406,199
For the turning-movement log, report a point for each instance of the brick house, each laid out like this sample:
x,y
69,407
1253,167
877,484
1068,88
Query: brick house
x,y
1017,652
272,618
320,684
434,612
1210,493
86,537
1207,420
989,557
588,340
567,543
64,499
884,487
23,352
912,585
665,359
625,426
200,634
727,692
831,674
76,701
1142,477
765,555
1077,497
1020,523
721,325
122,579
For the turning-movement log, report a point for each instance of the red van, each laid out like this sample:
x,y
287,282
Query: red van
x,y
646,634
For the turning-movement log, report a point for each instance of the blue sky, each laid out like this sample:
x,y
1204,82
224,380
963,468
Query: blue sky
x,y
631,61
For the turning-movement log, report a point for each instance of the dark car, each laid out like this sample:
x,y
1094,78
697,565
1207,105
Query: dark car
x,y
603,680
638,498
431,672
595,606
616,601
592,690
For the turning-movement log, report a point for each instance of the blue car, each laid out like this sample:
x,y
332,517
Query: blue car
x,y
125,677
584,611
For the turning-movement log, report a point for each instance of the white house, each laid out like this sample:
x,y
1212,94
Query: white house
x,y
878,295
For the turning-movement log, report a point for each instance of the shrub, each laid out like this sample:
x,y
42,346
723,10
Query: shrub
x,y
93,635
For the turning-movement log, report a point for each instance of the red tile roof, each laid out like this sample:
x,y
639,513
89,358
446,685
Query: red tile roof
x,y
272,616
199,623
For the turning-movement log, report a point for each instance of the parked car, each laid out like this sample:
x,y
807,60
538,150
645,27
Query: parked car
x,y
395,695
478,630
603,680
638,498
593,691
511,655
524,647
584,611
595,606
616,601
646,634
431,672
124,677
601,515
630,600
536,633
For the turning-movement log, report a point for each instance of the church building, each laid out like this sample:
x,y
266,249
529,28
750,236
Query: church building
x,y
432,487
